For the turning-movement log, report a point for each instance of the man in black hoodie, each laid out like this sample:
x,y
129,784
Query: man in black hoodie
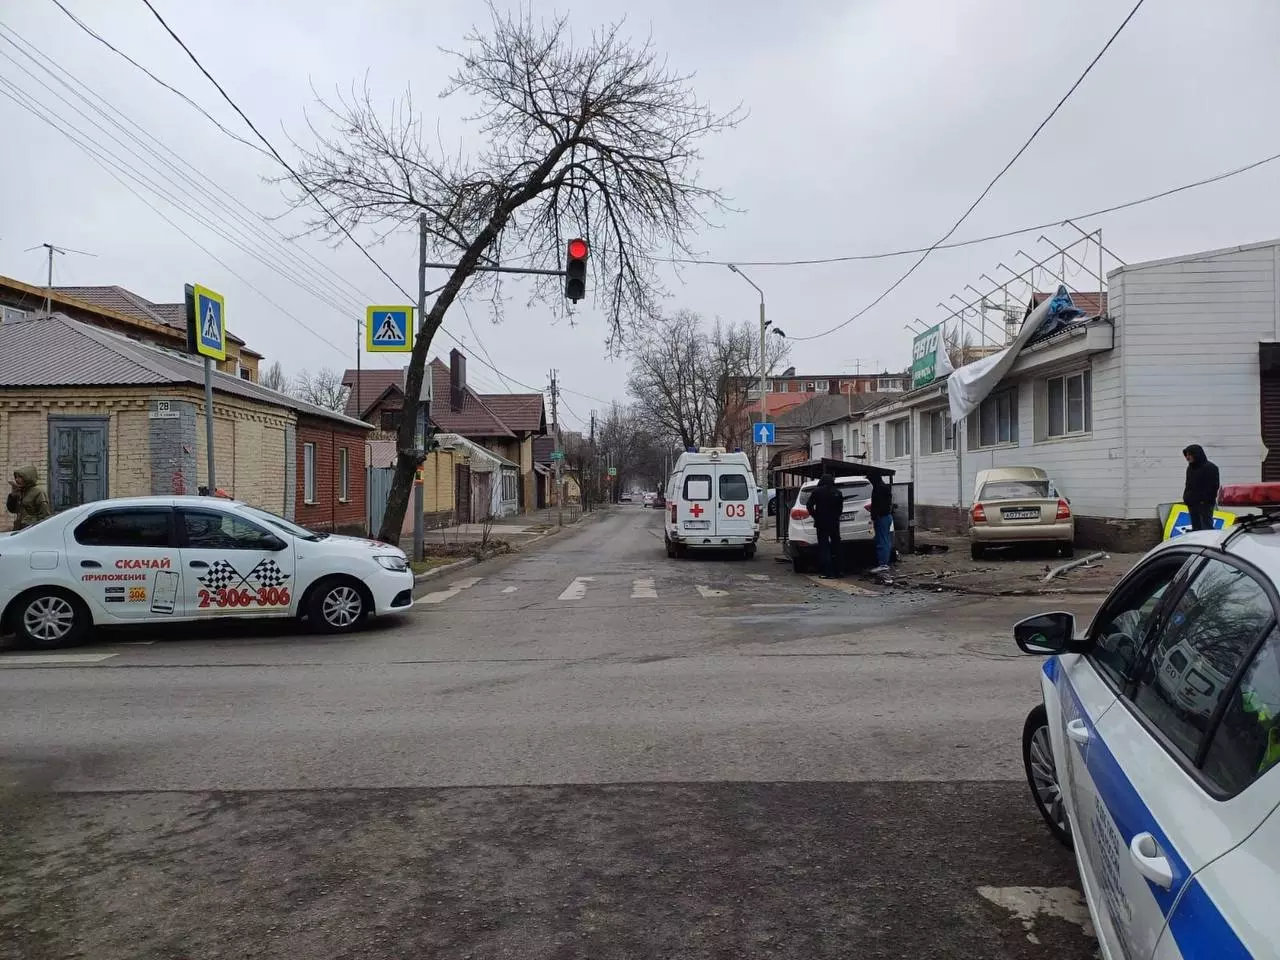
x,y
1201,492
826,503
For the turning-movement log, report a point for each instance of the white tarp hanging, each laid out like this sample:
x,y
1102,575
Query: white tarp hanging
x,y
968,386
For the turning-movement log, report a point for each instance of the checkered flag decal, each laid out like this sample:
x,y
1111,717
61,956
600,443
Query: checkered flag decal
x,y
268,574
221,576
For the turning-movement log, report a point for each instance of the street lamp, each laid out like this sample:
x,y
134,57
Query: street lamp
x,y
764,414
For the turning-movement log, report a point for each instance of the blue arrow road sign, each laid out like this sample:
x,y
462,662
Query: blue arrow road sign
x,y
389,329
763,433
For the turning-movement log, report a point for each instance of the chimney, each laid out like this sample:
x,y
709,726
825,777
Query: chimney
x,y
457,379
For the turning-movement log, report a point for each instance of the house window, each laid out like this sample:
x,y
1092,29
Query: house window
x,y
996,421
899,437
309,473
855,442
890,384
244,373
809,386
875,441
937,435
344,474
1069,402
389,420
837,449
822,386
770,386
10,314
509,486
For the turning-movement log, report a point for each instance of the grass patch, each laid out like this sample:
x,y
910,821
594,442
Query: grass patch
x,y
430,563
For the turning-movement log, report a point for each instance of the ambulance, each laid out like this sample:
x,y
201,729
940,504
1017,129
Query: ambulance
x,y
712,503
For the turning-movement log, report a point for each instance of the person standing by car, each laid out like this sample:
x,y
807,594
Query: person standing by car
x,y
27,500
1201,491
825,506
882,519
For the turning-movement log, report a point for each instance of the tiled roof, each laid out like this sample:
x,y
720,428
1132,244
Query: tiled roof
x,y
373,384
828,409
519,411
543,447
57,351
475,419
1092,302
130,304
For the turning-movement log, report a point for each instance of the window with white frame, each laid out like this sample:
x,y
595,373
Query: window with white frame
x,y
899,438
995,422
890,384
822,386
309,472
937,435
855,443
1068,405
875,441
509,485
344,474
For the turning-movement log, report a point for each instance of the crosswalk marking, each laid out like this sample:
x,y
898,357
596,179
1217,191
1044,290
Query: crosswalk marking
x,y
643,589
709,592
577,588
510,589
757,576
440,596
21,659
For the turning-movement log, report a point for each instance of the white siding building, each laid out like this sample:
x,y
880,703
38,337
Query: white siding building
x,y
1184,355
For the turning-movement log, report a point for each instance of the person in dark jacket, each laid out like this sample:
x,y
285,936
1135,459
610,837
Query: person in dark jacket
x,y
826,503
27,500
1201,492
882,519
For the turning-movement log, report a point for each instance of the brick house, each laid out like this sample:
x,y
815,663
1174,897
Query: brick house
x,y
102,415
121,311
331,474
505,424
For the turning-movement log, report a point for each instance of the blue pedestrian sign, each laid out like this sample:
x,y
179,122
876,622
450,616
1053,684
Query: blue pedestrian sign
x,y
762,434
388,329
206,323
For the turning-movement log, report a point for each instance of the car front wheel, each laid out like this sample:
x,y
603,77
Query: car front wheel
x,y
1042,774
337,605
48,619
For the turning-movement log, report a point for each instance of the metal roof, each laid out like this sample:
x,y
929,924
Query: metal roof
x,y
57,351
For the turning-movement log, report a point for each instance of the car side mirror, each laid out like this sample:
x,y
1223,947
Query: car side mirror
x,y
275,544
1045,634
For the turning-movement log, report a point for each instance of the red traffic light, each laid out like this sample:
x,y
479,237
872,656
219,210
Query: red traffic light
x,y
577,249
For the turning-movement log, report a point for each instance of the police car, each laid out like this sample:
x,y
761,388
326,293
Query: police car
x,y
166,559
1156,752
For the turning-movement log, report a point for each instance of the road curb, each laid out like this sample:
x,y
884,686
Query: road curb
x,y
446,568
997,592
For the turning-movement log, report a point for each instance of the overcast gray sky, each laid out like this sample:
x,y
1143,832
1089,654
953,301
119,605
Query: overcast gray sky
x,y
872,125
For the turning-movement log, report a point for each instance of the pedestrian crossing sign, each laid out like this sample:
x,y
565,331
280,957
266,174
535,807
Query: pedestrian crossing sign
x,y
388,329
206,323
1179,521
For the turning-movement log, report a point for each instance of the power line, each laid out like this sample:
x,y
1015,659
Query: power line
x,y
174,90
311,193
1224,175
989,187
97,158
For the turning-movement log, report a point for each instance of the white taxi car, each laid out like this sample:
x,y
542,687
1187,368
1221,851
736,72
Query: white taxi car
x,y
1156,752
164,559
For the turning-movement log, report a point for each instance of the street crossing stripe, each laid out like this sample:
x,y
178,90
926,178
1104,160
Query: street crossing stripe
x,y
709,592
24,659
577,588
510,589
440,596
643,589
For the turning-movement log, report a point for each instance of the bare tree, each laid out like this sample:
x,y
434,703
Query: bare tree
x,y
324,388
275,378
692,381
598,140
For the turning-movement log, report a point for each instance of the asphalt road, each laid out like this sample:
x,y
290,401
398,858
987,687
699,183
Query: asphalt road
x,y
587,750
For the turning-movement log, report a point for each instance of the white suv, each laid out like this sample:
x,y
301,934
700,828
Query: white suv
x,y
857,532
1156,751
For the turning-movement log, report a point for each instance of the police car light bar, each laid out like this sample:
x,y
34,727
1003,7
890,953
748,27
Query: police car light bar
x,y
1250,495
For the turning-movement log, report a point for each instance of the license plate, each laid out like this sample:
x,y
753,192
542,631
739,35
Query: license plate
x,y
697,524
848,516
1020,514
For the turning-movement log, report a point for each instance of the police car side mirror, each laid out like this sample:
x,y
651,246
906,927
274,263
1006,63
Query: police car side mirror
x,y
274,544
1046,633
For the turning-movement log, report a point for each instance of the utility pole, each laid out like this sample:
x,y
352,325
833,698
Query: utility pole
x,y
559,458
421,410
595,466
